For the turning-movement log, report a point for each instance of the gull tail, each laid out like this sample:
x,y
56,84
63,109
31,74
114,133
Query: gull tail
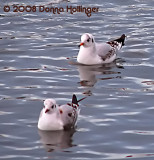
x,y
118,43
82,99
121,40
75,101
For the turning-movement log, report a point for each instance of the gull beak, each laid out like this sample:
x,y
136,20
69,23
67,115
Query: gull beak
x,y
81,44
47,110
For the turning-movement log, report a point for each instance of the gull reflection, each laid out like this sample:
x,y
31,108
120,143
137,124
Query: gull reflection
x,y
88,74
56,140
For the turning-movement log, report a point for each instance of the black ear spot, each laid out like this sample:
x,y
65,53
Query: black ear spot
x,y
92,40
70,114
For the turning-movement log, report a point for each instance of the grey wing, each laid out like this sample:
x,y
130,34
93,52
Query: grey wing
x,y
108,49
105,50
69,116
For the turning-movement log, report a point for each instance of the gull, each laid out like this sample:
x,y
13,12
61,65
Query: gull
x,y
92,53
59,117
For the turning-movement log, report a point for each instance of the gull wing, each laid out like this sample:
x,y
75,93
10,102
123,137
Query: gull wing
x,y
68,115
109,49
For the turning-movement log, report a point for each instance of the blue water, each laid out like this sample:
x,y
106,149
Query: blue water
x,y
37,61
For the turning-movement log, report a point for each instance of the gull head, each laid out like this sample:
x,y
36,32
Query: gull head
x,y
49,105
87,40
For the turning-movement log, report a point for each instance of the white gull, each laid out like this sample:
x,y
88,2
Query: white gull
x,y
92,53
55,117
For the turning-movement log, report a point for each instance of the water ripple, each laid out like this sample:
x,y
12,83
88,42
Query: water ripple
x,y
11,136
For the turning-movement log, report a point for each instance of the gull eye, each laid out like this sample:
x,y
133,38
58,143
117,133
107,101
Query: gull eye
x,y
88,40
52,106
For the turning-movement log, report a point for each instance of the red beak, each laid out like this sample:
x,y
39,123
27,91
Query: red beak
x,y
81,44
47,110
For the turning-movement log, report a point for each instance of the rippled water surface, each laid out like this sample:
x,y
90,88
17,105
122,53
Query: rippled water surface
x,y
37,52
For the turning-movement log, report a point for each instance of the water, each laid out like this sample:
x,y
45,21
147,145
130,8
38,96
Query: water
x,y
36,54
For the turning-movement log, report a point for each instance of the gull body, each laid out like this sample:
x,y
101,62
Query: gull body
x,y
91,53
56,117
